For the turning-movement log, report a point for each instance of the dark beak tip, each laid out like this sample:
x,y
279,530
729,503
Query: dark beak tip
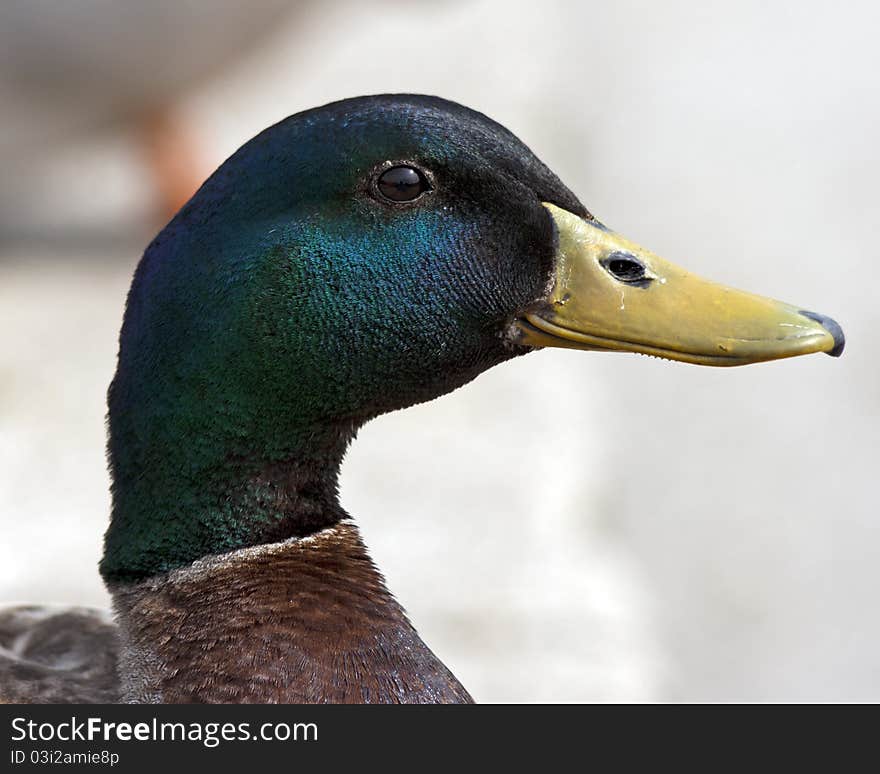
x,y
832,327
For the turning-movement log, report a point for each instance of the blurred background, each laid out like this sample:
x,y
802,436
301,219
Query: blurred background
x,y
688,534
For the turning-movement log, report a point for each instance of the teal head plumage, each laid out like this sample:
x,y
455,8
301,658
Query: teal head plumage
x,y
296,296
290,301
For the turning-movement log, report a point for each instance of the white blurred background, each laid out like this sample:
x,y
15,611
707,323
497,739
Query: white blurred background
x,y
572,526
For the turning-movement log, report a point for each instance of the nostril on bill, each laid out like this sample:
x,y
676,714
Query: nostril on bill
x,y
832,327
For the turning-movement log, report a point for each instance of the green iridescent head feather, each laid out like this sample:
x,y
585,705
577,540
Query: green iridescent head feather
x,y
287,304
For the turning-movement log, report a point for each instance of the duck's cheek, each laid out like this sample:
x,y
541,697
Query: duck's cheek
x,y
610,294
499,265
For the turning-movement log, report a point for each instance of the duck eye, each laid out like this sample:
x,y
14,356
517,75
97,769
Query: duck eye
x,y
402,184
625,267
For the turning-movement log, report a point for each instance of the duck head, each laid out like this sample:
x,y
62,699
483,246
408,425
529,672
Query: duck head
x,y
352,260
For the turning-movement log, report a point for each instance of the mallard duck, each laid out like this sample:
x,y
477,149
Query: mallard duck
x,y
349,261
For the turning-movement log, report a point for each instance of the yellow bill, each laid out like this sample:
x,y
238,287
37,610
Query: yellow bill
x,y
610,294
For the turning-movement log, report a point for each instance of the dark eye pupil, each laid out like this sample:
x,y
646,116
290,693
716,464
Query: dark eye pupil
x,y
401,184
625,269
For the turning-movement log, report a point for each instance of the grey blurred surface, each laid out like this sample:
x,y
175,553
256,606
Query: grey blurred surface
x,y
572,526
82,81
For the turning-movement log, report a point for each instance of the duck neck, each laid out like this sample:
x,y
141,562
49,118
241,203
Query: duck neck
x,y
173,508
301,621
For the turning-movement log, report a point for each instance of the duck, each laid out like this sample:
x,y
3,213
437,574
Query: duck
x,y
352,260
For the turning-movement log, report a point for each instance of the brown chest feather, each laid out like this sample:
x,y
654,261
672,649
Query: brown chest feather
x,y
305,621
